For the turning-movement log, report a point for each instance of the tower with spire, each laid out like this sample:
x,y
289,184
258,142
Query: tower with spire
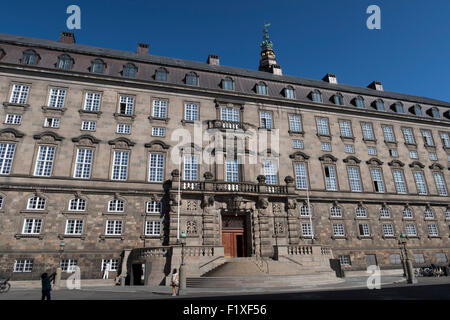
x,y
268,62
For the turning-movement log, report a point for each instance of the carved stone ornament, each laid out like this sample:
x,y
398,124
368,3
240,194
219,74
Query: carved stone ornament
x,y
235,202
262,203
207,201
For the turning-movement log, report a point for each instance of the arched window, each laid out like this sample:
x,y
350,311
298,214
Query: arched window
x,y
385,213
379,104
77,204
97,66
2,53
64,62
116,205
305,211
407,213
261,88
36,203
359,101
228,84
161,75
435,113
398,107
29,57
336,211
1,202
428,213
129,70
338,99
361,212
418,110
192,79
316,96
289,92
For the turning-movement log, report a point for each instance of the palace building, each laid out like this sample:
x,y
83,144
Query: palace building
x,y
87,175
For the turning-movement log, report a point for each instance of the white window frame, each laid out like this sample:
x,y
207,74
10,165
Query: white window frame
x,y
19,94
114,227
116,205
322,126
77,204
92,101
52,122
44,161
159,109
88,125
23,265
191,112
7,151
295,123
124,128
83,163
355,179
419,178
153,228
301,175
74,227
36,203
156,167
15,119
34,228
56,98
119,170
128,103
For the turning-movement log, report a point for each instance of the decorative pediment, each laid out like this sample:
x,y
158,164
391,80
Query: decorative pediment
x,y
328,158
436,166
86,139
299,156
121,142
396,163
10,134
352,160
416,163
157,144
374,161
48,136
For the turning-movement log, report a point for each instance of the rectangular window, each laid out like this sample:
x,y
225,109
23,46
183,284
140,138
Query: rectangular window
x,y
361,212
322,126
266,120
154,206
345,260
23,265
92,101
346,128
88,125
123,128
68,265
156,167
126,105
191,111
32,226
395,258
427,137
114,264
411,230
393,153
364,230
367,130
419,257
270,171
338,229
440,183
120,165
388,134
441,257
409,136
433,156
159,108
388,230
420,182
301,177
229,114
413,154
355,181
44,161
377,178
445,139
349,148
74,226
6,157
231,171
56,98
433,230
295,123
51,122
326,146
330,177
399,179
372,151
297,144
114,227
158,132
153,228
13,119
83,163
190,168
306,229
19,94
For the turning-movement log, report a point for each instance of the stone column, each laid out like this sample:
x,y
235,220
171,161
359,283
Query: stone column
x,y
293,220
266,248
173,202
210,224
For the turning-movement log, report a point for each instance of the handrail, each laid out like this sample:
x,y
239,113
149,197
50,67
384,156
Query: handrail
x,y
211,261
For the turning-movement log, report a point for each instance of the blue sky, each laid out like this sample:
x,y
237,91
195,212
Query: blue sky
x,y
410,54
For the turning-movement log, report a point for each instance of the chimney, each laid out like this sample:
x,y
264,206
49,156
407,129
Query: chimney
x,y
276,70
330,78
67,37
142,48
213,59
376,85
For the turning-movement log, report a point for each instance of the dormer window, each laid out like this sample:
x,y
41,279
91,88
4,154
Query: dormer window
x,y
97,66
379,104
161,75
261,88
338,99
192,79
129,70
359,102
29,57
64,62
398,107
289,92
418,110
435,113
316,96
2,53
228,84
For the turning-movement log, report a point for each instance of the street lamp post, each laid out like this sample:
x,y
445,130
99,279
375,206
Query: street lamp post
x,y
182,267
410,278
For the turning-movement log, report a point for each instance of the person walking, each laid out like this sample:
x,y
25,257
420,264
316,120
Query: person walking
x,y
107,268
46,285
174,282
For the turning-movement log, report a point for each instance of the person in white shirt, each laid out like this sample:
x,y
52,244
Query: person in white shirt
x,y
107,268
174,282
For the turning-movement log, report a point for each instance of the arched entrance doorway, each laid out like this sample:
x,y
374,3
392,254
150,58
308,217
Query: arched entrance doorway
x,y
236,234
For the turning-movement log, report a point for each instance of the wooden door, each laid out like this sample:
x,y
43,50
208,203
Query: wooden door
x,y
233,236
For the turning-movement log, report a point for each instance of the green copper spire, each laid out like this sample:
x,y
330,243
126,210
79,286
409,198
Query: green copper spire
x,y
266,43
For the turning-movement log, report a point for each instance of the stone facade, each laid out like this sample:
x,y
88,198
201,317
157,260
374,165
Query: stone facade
x,y
271,213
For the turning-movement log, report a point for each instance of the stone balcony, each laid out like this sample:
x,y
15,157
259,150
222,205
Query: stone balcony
x,y
229,125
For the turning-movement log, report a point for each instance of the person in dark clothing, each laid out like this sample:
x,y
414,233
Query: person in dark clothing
x,y
46,285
